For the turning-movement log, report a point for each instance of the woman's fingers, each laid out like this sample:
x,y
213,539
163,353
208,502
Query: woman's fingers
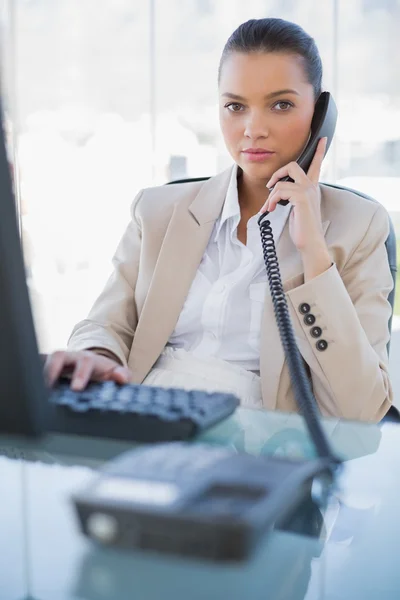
x,y
83,370
281,191
56,363
84,366
98,368
292,170
119,374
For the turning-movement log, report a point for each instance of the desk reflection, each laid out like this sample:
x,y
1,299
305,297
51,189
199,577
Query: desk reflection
x,y
44,538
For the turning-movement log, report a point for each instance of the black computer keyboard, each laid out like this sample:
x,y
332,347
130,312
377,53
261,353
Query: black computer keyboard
x,y
136,412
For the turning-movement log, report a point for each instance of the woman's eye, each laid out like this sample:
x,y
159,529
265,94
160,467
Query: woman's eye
x,y
234,106
284,106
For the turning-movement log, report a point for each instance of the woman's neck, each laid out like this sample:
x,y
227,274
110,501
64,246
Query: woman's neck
x,y
252,194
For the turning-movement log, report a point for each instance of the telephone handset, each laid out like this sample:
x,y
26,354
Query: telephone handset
x,y
322,125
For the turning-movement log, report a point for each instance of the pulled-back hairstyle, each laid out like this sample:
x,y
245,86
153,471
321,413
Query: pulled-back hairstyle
x,y
277,35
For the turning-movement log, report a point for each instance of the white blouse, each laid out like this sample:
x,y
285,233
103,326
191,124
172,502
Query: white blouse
x,y
222,313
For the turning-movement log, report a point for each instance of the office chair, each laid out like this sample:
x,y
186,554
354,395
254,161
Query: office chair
x,y
393,414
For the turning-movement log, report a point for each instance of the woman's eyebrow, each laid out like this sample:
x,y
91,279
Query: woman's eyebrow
x,y
267,97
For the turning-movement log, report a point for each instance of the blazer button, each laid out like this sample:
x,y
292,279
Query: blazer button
x,y
322,345
316,332
309,319
304,308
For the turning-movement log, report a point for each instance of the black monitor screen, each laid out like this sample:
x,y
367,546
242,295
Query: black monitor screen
x,y
22,390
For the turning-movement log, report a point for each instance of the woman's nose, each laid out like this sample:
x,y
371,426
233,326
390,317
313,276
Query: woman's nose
x,y
256,126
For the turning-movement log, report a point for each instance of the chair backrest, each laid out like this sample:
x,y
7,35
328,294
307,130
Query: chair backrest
x,y
390,243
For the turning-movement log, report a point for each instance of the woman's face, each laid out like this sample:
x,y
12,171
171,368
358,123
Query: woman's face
x,y
266,104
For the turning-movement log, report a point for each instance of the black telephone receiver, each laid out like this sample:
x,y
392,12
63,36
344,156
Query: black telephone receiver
x,y
322,125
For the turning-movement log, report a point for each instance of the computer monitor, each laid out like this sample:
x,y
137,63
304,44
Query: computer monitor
x,y
23,394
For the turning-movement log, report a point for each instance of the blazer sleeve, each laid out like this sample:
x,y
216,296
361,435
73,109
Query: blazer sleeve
x,y
112,320
350,372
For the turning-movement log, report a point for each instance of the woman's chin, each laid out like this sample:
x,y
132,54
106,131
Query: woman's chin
x,y
257,171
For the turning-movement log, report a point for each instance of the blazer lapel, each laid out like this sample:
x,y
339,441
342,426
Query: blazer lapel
x,y
272,356
182,250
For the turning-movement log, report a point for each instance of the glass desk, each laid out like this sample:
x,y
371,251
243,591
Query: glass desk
x,y
349,553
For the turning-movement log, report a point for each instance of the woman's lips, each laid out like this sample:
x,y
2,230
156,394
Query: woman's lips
x,y
257,155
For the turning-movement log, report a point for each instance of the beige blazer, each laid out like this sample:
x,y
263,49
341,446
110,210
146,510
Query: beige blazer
x,y
156,261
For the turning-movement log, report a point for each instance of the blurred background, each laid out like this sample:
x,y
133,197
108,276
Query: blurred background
x,y
105,98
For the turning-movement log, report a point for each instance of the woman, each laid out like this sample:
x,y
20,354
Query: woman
x,y
187,304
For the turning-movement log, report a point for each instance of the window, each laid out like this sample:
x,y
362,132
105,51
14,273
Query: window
x,y
84,146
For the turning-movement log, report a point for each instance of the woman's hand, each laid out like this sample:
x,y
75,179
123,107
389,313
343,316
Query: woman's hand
x,y
84,366
305,225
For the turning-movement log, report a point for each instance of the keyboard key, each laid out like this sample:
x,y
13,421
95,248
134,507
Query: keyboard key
x,y
136,412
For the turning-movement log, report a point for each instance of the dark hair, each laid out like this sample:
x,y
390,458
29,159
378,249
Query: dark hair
x,y
277,35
